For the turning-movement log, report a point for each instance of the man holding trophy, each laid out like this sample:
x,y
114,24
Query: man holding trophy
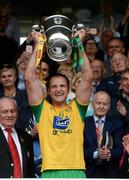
x,y
60,126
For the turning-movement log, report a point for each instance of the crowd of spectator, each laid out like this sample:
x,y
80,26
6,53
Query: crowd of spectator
x,y
35,100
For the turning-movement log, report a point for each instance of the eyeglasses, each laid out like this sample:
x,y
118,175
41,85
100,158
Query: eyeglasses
x,y
114,47
90,44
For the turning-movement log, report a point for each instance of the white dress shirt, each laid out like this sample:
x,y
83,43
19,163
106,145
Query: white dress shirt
x,y
16,140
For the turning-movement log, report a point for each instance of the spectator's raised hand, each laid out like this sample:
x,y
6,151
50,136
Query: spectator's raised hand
x,y
126,143
126,16
112,24
101,28
121,108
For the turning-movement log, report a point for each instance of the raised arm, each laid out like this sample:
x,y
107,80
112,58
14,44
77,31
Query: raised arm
x,y
83,91
33,84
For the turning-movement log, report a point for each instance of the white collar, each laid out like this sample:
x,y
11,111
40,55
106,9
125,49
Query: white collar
x,y
96,118
3,128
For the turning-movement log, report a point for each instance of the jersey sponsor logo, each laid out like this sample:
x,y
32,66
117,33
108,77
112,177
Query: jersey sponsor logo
x,y
58,131
59,123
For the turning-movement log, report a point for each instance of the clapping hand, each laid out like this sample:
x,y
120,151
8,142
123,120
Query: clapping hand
x,y
126,143
121,108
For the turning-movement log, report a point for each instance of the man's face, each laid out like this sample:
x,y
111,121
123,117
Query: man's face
x,y
91,47
106,37
3,24
101,104
115,46
8,78
58,91
118,63
125,83
8,113
97,70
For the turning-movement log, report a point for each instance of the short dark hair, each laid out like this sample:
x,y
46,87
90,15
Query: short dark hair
x,y
57,75
118,39
90,38
7,67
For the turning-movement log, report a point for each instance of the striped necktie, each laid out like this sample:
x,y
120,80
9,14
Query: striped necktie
x,y
100,124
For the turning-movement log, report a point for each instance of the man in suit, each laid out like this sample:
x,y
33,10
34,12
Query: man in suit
x,y
102,157
111,84
122,101
21,141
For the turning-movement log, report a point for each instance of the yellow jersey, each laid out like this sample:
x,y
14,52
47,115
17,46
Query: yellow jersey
x,y
61,135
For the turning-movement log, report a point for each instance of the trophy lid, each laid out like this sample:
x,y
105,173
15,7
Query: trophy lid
x,y
57,20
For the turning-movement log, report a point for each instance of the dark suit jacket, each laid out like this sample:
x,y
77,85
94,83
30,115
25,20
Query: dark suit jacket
x,y
106,169
125,102
110,85
6,161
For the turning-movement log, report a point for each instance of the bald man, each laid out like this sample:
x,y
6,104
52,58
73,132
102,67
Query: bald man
x,y
102,155
23,143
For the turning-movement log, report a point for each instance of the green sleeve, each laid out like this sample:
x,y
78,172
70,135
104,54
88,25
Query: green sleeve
x,y
82,109
36,110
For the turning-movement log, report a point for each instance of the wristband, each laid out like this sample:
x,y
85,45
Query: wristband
x,y
79,44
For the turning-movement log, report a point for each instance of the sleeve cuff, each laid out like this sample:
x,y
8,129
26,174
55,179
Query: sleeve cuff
x,y
95,154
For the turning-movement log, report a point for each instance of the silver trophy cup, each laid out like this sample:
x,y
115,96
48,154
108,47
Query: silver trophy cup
x,y
58,30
